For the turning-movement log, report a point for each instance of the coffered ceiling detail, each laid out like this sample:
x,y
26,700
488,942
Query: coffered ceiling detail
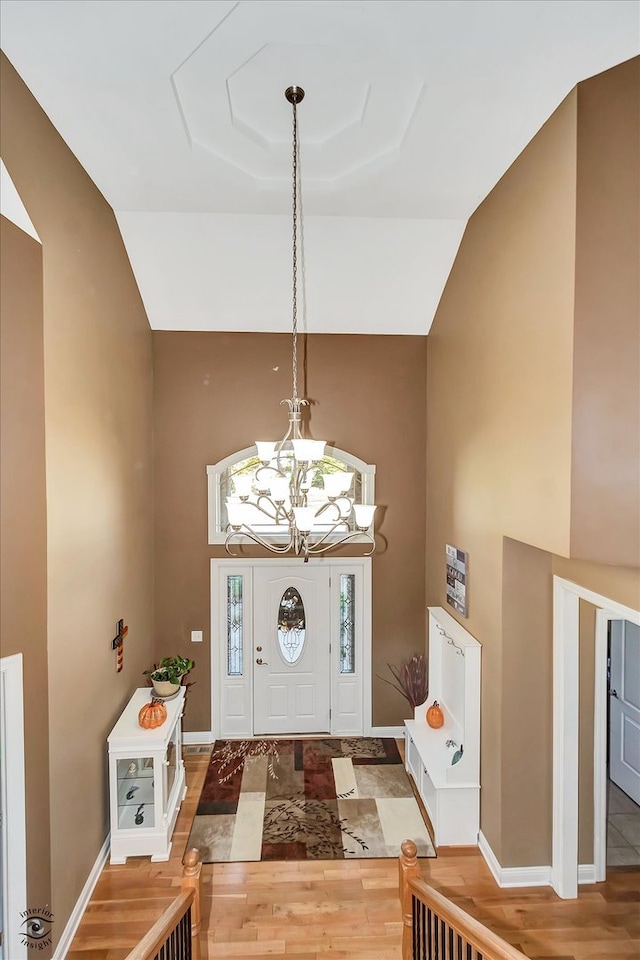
x,y
361,92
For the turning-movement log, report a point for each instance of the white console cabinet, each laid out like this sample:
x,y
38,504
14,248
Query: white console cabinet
x,y
450,791
146,780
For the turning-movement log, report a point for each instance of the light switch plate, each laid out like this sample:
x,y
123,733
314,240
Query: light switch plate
x,y
196,636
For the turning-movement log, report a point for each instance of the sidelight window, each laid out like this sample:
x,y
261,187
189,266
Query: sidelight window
x,y
347,623
235,624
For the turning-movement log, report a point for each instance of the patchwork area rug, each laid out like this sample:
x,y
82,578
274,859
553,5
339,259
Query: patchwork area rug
x,y
330,799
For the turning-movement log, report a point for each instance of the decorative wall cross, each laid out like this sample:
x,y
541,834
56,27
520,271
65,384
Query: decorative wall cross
x,y
118,644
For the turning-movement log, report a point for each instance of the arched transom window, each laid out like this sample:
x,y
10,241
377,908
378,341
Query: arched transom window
x,y
221,486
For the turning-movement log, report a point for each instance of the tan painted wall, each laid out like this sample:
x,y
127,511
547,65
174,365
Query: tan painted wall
x,y
505,416
527,611
527,709
98,400
499,419
217,393
605,499
23,527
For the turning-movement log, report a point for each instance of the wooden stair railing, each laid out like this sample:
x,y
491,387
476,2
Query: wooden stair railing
x,y
434,928
192,869
176,934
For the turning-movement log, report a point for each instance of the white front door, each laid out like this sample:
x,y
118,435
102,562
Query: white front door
x,y
291,655
624,708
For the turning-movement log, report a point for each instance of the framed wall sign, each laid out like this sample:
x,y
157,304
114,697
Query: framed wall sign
x,y
457,568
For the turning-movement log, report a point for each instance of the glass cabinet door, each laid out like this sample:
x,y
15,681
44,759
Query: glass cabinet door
x,y
135,785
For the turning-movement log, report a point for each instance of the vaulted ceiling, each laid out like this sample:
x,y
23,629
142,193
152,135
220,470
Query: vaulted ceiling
x,y
414,109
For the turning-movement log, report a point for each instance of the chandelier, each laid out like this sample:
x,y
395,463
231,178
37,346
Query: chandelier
x,y
289,489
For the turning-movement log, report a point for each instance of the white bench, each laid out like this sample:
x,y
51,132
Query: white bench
x,y
450,792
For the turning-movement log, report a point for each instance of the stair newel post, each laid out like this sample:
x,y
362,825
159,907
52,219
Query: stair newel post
x,y
408,869
191,871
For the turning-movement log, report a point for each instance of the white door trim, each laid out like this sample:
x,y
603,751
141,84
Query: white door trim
x,y
14,865
600,737
362,567
566,643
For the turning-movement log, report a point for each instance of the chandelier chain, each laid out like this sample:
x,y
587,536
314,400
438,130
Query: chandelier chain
x,y
294,200
283,492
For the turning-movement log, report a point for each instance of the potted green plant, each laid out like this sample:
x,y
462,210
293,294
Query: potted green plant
x,y
167,675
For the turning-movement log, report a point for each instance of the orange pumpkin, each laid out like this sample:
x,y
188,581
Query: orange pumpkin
x,y
152,714
435,716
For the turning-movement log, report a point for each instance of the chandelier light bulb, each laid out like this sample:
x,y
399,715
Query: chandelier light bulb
x,y
305,518
243,485
308,478
279,489
364,515
337,484
236,513
266,450
308,451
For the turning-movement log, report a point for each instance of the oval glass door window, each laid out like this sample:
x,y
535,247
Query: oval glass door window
x,y
291,625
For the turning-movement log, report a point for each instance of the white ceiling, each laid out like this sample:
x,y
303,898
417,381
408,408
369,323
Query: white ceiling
x,y
414,109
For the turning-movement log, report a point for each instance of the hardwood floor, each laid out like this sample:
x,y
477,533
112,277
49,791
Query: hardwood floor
x,y
347,910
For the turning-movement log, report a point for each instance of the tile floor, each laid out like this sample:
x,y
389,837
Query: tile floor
x,y
623,829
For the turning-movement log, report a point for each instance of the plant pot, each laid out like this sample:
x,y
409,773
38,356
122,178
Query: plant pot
x,y
164,688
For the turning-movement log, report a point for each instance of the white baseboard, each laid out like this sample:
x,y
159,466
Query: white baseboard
x,y
197,736
587,873
513,876
396,732
73,922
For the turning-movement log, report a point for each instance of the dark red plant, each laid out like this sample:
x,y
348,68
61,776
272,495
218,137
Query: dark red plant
x,y
410,679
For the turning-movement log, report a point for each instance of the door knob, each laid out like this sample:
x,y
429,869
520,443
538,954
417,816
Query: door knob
x,y
614,693
261,661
